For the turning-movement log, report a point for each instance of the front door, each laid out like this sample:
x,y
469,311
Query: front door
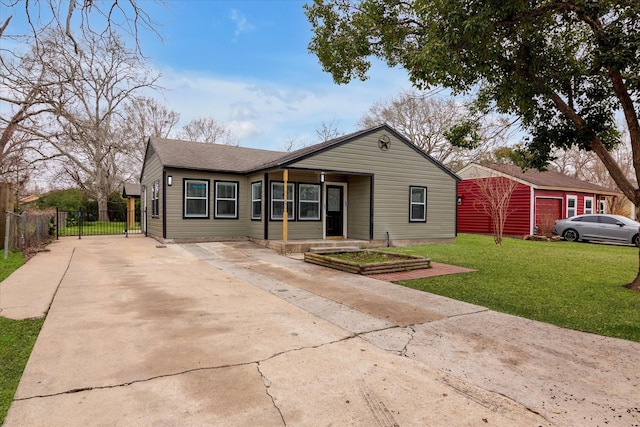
x,y
335,211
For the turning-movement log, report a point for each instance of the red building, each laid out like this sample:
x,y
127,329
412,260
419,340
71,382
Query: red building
x,y
537,201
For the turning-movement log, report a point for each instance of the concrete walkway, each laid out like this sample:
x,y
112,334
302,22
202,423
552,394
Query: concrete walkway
x,y
235,334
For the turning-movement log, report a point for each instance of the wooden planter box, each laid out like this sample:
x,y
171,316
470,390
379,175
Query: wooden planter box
x,y
401,263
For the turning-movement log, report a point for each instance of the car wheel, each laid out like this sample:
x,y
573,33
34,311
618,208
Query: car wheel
x,y
570,235
636,240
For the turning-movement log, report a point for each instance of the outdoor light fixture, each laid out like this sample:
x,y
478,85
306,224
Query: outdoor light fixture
x,y
459,200
321,176
169,180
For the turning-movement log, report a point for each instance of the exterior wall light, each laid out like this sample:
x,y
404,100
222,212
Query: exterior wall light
x,y
169,180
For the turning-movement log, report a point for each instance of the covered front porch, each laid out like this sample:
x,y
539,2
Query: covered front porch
x,y
330,208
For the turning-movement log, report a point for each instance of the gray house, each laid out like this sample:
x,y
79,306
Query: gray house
x,y
373,186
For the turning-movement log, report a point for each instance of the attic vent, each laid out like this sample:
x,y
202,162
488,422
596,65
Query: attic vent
x,y
384,142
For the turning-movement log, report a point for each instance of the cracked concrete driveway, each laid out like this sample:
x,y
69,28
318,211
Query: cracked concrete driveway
x,y
234,334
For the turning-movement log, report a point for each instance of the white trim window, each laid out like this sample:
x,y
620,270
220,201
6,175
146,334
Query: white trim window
x,y
256,200
155,205
588,205
309,202
572,206
226,199
277,200
196,198
418,204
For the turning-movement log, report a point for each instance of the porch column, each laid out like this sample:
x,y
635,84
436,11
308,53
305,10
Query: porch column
x,y
285,215
131,212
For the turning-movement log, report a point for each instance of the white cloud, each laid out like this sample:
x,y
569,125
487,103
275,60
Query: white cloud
x,y
241,23
266,114
244,130
243,111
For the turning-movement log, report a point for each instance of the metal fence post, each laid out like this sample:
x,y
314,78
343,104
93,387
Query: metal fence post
x,y
79,224
6,234
26,239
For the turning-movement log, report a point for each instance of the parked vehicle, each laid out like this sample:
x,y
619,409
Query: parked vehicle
x,y
601,227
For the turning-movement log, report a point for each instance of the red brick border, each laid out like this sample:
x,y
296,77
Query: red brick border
x,y
436,269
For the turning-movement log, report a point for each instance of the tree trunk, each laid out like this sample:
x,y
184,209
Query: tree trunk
x,y
635,285
103,214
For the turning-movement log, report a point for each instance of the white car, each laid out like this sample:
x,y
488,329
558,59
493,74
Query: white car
x,y
601,227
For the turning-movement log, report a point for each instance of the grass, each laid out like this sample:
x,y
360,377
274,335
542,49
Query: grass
x,y
366,257
97,228
573,285
17,338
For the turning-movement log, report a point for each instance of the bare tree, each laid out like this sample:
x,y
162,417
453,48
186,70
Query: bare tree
x,y
27,84
23,102
328,131
573,162
89,96
492,197
104,18
587,166
143,118
208,130
425,119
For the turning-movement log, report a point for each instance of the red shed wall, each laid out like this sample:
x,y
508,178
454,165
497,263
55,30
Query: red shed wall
x,y
471,219
563,195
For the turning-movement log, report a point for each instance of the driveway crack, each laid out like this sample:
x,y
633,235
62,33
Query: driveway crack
x,y
468,314
403,352
267,386
187,371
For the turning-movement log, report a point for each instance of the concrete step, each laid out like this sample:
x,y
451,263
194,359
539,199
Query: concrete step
x,y
325,249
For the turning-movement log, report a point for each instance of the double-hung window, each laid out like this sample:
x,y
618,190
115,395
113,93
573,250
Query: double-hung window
x,y
155,211
572,203
588,205
256,200
309,202
277,200
418,204
226,199
196,198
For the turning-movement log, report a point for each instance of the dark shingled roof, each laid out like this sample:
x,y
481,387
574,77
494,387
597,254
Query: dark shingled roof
x,y
131,189
210,157
549,179
225,158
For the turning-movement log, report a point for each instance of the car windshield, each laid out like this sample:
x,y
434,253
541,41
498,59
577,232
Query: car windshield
x,y
626,220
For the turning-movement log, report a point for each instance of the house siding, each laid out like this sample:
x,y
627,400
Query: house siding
x,y
210,228
255,228
359,218
471,218
152,171
296,229
394,171
549,206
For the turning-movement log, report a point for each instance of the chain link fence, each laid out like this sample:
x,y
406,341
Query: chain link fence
x,y
28,229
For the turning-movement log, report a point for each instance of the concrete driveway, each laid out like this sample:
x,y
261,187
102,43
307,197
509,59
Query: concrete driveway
x,y
235,334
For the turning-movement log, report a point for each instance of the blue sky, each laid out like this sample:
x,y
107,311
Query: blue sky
x,y
246,64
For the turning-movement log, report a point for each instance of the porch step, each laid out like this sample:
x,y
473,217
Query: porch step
x,y
325,249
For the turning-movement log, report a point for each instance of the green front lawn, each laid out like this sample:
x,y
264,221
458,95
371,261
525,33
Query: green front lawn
x,y
97,228
573,285
17,338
